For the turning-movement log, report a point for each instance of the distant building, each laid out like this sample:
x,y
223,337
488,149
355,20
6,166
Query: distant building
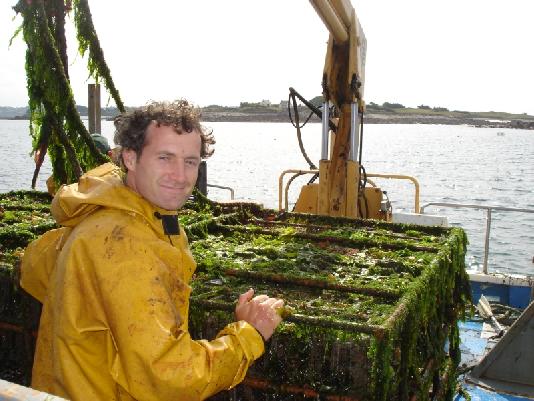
x,y
263,103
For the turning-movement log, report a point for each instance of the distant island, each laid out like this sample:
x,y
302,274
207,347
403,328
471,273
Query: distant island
x,y
386,113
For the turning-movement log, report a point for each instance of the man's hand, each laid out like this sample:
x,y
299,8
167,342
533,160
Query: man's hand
x,y
260,312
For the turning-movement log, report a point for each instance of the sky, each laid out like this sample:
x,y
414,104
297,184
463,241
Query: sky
x,y
473,55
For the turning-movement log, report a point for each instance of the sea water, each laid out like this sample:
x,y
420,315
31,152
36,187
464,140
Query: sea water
x,y
454,164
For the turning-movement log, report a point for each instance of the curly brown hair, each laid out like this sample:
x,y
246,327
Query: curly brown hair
x,y
131,127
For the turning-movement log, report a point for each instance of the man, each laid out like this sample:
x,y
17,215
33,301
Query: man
x,y
114,280
101,143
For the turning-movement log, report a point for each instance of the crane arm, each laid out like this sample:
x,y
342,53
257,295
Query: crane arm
x,y
346,52
343,83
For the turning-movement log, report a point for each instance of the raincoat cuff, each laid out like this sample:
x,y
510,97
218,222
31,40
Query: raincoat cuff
x,y
249,338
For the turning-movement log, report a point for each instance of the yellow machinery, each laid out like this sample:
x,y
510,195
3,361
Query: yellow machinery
x,y
340,191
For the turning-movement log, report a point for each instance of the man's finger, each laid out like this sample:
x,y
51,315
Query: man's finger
x,y
278,304
245,297
270,301
261,298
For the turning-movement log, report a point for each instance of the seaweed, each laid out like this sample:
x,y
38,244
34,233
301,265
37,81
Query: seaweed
x,y
389,293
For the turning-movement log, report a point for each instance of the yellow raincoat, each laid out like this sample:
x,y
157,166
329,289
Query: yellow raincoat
x,y
115,300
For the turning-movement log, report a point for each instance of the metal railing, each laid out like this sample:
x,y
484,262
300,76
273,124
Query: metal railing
x,y
488,209
283,192
232,192
402,177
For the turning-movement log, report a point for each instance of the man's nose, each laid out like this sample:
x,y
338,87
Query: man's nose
x,y
178,172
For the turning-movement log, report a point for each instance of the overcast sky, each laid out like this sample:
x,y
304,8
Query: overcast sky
x,y
473,55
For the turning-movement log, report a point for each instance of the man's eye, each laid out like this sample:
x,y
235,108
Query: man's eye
x,y
164,157
193,163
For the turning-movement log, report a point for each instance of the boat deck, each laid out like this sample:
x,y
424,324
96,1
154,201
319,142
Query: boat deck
x,y
476,340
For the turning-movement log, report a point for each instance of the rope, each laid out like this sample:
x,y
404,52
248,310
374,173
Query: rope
x,y
361,139
291,180
296,123
361,192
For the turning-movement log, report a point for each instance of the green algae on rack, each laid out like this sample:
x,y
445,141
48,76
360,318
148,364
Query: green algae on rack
x,y
24,215
388,295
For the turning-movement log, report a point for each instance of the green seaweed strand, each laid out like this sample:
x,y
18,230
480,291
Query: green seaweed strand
x,y
88,40
55,125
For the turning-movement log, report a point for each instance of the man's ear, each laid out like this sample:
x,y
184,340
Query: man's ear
x,y
129,158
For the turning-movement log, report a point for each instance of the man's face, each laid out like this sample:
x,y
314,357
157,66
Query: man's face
x,y
167,170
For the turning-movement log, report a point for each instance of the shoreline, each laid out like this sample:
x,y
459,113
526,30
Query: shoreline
x,y
281,116
369,118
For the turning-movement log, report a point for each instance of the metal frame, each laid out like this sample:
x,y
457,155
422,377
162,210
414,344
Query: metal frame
x,y
403,177
281,183
302,172
488,220
232,192
15,392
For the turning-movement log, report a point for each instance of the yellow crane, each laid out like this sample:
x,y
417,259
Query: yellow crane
x,y
340,190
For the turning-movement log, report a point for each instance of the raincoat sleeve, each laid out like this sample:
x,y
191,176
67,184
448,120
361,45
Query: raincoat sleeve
x,y
146,301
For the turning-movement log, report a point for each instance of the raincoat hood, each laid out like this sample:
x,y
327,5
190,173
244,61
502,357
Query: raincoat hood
x,y
102,187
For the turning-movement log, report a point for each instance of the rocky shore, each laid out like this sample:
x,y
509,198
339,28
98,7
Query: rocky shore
x,y
370,118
